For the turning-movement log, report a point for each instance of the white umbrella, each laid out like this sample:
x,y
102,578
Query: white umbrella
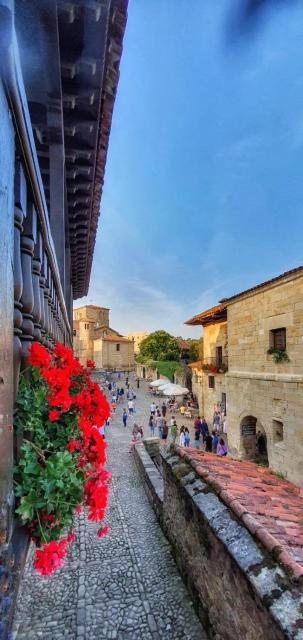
x,y
173,390
158,383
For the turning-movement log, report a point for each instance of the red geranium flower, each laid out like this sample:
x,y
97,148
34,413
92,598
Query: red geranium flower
x,y
54,415
103,531
38,356
50,556
90,364
73,445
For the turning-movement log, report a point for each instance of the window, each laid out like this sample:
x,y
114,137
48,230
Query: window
x,y
117,347
211,382
277,339
219,356
223,402
74,332
277,427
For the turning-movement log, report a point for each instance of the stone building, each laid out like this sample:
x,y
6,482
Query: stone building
x,y
95,340
89,322
137,337
114,352
209,375
59,70
264,382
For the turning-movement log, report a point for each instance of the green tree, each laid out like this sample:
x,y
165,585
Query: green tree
x,y
195,349
160,345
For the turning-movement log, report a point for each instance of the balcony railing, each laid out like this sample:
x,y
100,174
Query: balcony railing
x,y
215,364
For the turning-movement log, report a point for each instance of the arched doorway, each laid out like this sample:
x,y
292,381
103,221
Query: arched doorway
x,y
253,440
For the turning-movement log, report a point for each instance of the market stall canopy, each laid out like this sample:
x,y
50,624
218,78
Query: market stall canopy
x,y
158,383
173,390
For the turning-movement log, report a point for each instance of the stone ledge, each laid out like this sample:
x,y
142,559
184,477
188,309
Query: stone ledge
x,y
270,377
273,545
152,479
208,539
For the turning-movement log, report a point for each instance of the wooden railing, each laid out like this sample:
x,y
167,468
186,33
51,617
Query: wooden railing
x,y
40,311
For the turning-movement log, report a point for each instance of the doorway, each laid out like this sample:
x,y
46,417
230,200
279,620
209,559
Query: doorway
x,y
253,440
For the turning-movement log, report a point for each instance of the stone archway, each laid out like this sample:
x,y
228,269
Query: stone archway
x,y
253,440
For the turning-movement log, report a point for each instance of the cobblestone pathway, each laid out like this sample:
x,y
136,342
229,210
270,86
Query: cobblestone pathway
x,y
125,586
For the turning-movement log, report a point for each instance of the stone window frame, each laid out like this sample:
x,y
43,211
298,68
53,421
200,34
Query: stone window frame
x,y
277,338
278,432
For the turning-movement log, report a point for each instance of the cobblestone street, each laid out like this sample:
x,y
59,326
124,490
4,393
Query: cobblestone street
x,y
124,586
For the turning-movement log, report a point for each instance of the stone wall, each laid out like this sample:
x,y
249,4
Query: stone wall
x,y
258,387
137,337
106,355
86,321
238,591
210,397
150,475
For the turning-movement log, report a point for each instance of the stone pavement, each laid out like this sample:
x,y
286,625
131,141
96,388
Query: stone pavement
x,y
125,586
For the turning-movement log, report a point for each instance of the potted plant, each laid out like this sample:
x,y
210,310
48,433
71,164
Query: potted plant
x,y
62,454
279,355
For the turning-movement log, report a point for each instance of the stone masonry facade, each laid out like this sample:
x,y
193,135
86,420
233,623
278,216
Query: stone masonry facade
x,y
261,394
95,340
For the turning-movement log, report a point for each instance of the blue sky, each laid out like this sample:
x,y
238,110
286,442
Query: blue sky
x,y
204,178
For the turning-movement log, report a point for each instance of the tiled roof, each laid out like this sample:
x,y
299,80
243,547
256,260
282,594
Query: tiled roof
x,y
271,508
210,315
285,275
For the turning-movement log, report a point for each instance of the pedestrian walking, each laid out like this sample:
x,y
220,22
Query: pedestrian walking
x,y
153,408
151,425
137,434
138,383
186,438
225,425
215,441
196,438
164,429
216,421
204,428
208,442
124,417
163,409
102,431
131,406
173,432
114,406
159,424
182,436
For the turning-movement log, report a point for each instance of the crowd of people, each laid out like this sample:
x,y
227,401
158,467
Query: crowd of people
x,y
163,426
